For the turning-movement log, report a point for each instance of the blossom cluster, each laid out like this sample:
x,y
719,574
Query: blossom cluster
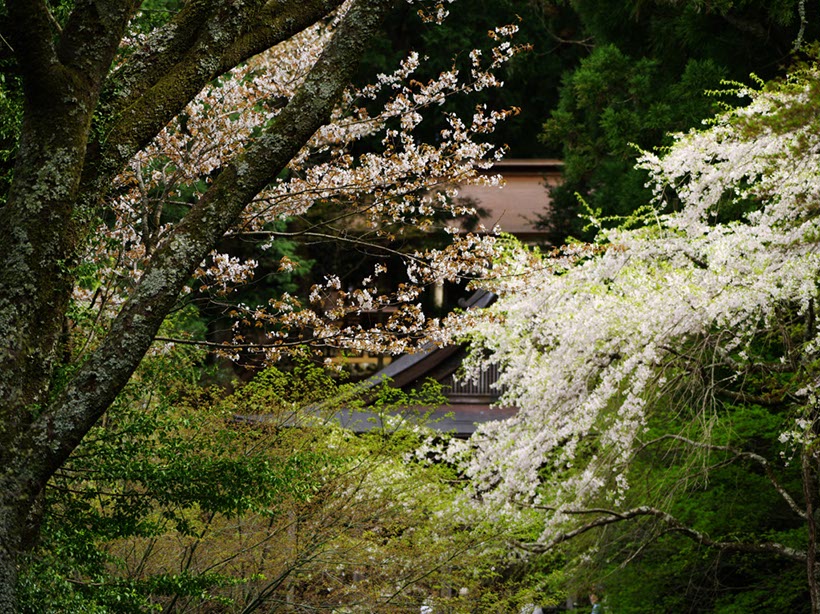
x,y
585,337
406,183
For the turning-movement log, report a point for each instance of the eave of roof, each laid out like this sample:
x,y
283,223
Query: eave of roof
x,y
410,367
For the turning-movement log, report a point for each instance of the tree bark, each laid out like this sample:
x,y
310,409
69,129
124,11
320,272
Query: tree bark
x,y
60,178
810,494
61,81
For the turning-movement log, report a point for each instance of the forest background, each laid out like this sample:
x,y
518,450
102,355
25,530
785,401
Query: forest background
x,y
171,505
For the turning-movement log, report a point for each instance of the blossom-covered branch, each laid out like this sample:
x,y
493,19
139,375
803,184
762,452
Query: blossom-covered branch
x,y
660,332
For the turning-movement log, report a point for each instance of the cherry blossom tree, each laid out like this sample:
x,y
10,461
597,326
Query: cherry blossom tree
x,y
647,341
140,148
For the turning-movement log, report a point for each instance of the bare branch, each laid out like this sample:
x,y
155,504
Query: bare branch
x,y
766,400
762,461
340,237
610,517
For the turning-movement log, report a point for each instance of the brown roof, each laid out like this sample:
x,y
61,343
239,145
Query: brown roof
x,y
464,410
516,205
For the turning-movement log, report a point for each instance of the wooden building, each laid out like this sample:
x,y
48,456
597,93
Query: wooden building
x,y
468,403
514,208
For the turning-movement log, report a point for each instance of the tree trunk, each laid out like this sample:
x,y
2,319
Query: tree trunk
x,y
810,492
62,79
43,229
9,547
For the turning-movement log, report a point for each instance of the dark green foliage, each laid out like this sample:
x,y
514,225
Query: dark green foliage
x,y
154,13
666,572
675,575
531,80
611,105
11,108
739,35
646,76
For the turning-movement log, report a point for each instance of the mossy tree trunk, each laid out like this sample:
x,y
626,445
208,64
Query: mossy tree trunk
x,y
59,188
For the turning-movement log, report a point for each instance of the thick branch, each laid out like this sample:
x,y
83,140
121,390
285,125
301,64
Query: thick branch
x,y
166,46
611,517
279,20
91,37
86,397
41,229
186,56
146,114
